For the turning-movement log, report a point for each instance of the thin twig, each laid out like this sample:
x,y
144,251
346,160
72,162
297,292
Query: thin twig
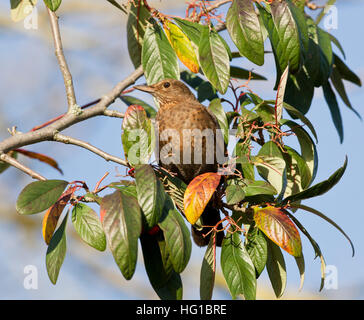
x,y
15,163
108,157
67,77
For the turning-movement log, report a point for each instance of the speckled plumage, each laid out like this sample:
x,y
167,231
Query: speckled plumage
x,y
179,110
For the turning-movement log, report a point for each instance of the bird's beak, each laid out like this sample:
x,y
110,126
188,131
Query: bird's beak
x,y
145,88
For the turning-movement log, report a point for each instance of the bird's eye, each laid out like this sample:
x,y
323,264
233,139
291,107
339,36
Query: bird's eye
x,y
166,84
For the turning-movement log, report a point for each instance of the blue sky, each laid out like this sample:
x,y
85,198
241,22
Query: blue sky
x,y
26,89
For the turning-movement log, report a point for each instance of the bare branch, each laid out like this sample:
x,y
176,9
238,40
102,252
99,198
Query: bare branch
x,y
113,114
46,134
67,77
108,157
15,163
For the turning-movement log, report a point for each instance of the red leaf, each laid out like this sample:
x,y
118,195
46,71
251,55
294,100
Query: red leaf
x,y
278,227
52,215
41,157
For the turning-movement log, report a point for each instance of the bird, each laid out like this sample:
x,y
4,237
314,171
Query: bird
x,y
179,114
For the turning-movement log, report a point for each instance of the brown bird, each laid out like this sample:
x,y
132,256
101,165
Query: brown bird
x,y
179,113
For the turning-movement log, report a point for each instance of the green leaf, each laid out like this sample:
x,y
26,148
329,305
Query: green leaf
x,y
208,270
158,57
215,107
259,187
39,196
136,25
321,215
234,194
302,175
237,267
138,136
129,100
88,226
240,73
176,235
284,37
193,30
271,165
338,84
165,282
320,188
122,223
315,246
53,4
151,195
334,109
257,249
299,91
243,26
276,268
337,44
308,148
56,251
214,60
345,72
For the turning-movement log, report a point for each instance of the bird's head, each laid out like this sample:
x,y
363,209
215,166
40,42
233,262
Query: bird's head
x,y
168,91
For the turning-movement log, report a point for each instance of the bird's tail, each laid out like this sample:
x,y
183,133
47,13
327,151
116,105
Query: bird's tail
x,y
210,217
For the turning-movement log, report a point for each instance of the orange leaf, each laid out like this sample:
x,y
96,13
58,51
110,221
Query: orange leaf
x,y
182,46
40,157
278,227
52,215
198,194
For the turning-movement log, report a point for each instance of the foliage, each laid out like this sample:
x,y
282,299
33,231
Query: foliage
x,y
258,193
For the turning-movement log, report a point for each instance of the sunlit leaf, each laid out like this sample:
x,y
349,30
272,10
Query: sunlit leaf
x,y
39,196
137,23
243,26
198,194
138,136
278,227
214,59
88,226
182,46
237,267
158,57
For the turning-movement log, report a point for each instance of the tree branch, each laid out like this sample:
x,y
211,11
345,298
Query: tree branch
x,y
19,140
67,77
108,157
15,163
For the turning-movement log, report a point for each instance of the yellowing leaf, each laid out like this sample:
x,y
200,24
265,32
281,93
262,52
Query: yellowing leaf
x,y
182,46
278,227
198,194
21,9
